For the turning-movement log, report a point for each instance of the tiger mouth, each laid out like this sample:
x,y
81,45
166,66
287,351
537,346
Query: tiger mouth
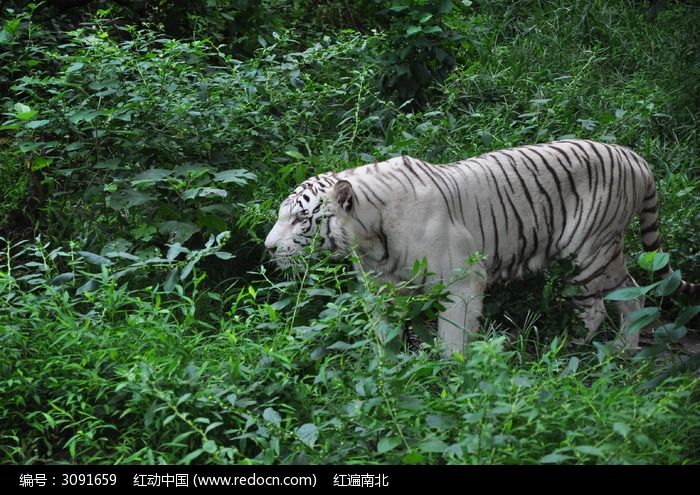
x,y
285,261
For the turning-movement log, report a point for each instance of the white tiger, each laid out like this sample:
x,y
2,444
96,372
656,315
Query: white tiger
x,y
521,208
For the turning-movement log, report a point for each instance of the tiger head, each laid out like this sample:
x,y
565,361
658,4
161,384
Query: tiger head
x,y
310,213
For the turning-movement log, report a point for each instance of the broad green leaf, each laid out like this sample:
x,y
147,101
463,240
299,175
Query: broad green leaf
x,y
23,112
179,231
669,284
432,29
554,458
209,446
191,456
224,255
571,367
668,333
238,176
272,416
650,352
171,280
629,293
187,270
295,154
152,175
308,434
642,317
653,260
75,67
413,458
84,116
94,259
62,278
413,30
622,429
432,446
127,199
387,444
687,315
340,346
35,124
89,286
589,450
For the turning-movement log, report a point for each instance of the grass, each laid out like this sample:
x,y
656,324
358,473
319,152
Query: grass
x,y
233,364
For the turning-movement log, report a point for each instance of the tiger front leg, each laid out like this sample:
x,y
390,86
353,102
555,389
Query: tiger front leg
x,y
460,318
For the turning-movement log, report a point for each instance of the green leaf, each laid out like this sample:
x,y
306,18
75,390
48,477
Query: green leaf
x,y
84,116
224,255
75,67
642,317
179,231
629,293
653,260
622,429
413,458
669,284
432,446
308,434
238,176
554,458
571,367
191,456
432,29
23,112
208,192
209,446
387,444
687,315
94,259
187,270
295,154
89,286
152,175
669,333
127,199
650,352
34,124
272,416
589,450
171,280
413,30
175,250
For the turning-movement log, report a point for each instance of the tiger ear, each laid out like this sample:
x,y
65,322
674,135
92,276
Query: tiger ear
x,y
341,195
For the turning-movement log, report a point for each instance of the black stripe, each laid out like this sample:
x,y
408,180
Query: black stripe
x,y
653,246
525,189
442,193
410,182
408,165
651,228
545,193
369,188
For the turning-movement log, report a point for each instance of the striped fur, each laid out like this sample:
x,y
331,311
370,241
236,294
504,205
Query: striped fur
x,y
522,208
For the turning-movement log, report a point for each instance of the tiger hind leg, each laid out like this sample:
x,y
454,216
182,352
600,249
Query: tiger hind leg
x,y
592,309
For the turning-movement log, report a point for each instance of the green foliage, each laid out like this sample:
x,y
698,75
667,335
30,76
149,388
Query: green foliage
x,y
665,334
422,47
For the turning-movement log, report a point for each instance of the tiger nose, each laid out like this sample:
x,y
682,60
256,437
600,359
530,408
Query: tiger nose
x,y
271,248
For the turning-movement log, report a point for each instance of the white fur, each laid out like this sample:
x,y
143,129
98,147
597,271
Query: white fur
x,y
521,208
